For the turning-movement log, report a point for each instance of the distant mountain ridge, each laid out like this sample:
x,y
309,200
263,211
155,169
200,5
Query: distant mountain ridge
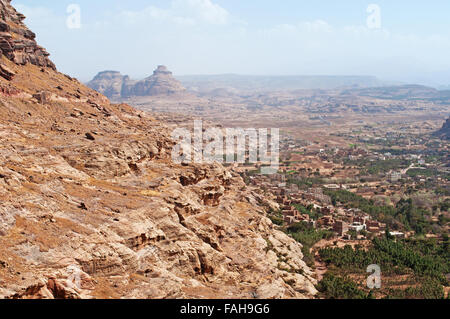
x,y
116,86
202,83
398,92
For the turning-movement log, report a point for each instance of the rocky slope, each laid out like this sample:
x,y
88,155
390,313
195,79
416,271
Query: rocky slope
x,y
444,132
115,86
93,207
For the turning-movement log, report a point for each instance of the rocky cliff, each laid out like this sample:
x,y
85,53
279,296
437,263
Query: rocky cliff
x,y
444,132
115,86
93,207
17,43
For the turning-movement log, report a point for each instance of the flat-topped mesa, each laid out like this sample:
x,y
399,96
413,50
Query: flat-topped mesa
x,y
109,83
17,42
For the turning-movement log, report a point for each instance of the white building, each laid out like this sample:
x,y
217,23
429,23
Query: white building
x,y
357,226
397,234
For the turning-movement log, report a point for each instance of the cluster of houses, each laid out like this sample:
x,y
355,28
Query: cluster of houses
x,y
277,185
341,220
338,219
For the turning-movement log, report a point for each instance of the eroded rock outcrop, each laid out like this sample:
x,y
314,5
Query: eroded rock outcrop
x,y
115,85
444,132
17,42
161,82
109,83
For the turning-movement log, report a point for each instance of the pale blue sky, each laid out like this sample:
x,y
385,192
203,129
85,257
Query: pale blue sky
x,y
279,37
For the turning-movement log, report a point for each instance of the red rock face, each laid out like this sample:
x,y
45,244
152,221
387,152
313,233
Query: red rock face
x,y
17,42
